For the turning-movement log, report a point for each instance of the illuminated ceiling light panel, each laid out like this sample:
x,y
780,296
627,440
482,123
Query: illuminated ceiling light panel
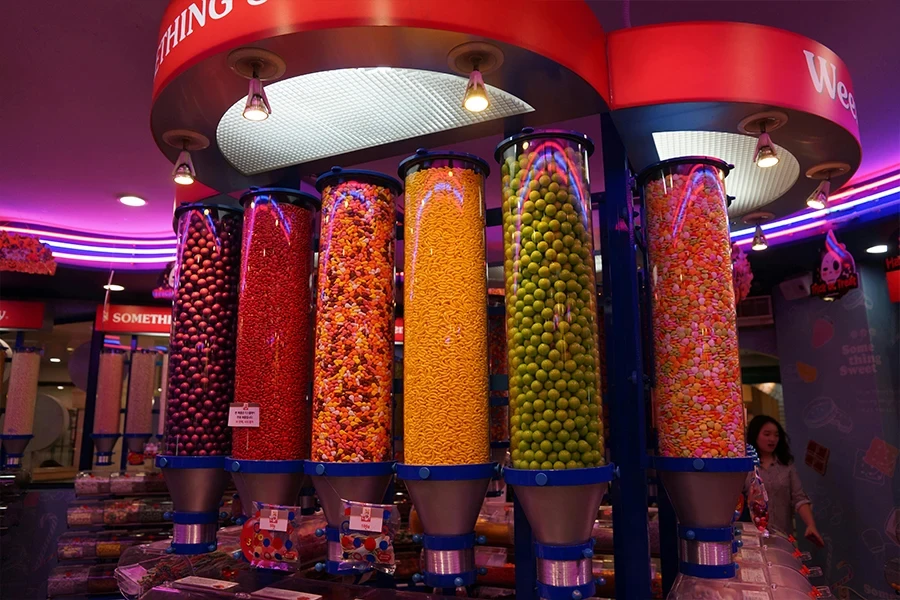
x,y
334,112
751,186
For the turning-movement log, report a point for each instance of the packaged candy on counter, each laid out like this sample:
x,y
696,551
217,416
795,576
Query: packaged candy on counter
x,y
279,537
68,581
119,512
92,484
102,580
758,503
74,545
123,484
367,537
84,513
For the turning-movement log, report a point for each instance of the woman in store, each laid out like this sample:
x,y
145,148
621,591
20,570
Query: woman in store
x,y
786,495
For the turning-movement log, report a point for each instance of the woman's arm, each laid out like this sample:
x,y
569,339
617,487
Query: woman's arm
x,y
803,507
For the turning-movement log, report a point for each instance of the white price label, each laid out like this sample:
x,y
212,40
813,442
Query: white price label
x,y
750,541
750,555
278,594
367,519
207,583
273,519
750,595
752,575
749,527
243,415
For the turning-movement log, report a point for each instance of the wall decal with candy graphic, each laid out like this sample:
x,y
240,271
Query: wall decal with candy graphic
x,y
836,274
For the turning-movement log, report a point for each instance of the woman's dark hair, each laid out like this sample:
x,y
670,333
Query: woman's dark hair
x,y
783,449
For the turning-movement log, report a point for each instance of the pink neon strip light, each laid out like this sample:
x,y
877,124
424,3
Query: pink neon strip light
x,y
115,259
82,238
869,186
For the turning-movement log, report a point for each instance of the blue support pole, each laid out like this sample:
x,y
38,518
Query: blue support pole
x,y
526,570
625,371
86,455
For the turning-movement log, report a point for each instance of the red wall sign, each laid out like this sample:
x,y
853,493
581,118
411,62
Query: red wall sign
x,y
892,270
715,61
120,318
17,315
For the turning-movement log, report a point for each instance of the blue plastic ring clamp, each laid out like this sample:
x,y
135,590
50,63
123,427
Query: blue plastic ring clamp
x,y
567,477
195,518
95,436
233,465
135,435
706,534
449,542
446,472
708,571
703,465
336,469
16,436
178,548
332,534
574,592
573,552
190,462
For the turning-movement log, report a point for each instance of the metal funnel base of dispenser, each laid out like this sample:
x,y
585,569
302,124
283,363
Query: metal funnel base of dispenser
x,y
448,508
561,515
196,484
135,442
702,499
275,482
356,482
14,446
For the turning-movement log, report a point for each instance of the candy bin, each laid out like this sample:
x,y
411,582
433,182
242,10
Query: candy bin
x,y
270,429
702,458
18,424
139,408
353,365
108,409
200,378
446,441
556,436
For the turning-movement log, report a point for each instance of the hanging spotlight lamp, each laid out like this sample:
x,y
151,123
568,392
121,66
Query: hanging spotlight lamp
x,y
765,155
819,198
186,141
184,173
824,172
759,238
474,60
476,98
257,108
258,66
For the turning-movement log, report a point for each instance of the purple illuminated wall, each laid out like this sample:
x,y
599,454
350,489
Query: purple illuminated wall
x,y
839,367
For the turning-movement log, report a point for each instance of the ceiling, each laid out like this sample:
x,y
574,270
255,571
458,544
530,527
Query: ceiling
x,y
83,72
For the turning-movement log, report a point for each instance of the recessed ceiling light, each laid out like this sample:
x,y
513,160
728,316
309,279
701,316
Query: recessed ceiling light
x,y
877,249
114,287
132,200
55,360
60,387
70,349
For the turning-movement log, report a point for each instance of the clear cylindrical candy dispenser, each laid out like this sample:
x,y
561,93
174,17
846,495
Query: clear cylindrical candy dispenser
x,y
18,423
696,361
353,372
556,434
274,356
445,379
551,302
108,408
446,438
352,445
139,407
201,370
700,414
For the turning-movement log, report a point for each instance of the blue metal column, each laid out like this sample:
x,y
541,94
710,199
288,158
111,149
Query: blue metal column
x,y
86,454
625,397
526,569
